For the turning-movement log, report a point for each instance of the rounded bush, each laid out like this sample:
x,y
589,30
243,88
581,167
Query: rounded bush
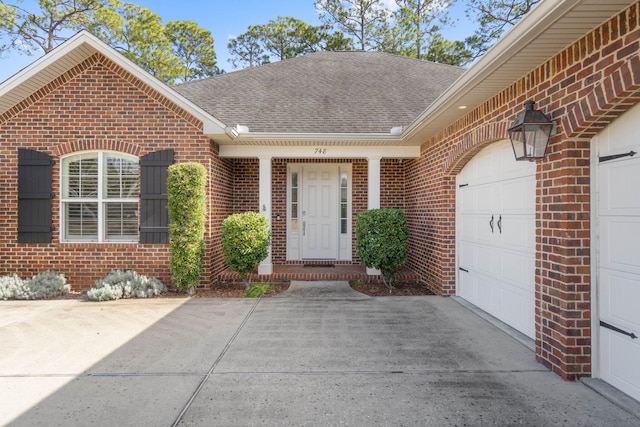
x,y
245,242
382,236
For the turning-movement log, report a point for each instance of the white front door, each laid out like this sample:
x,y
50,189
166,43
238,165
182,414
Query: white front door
x,y
320,211
496,236
617,240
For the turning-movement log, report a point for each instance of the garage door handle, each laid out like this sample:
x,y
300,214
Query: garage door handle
x,y
491,223
500,224
622,331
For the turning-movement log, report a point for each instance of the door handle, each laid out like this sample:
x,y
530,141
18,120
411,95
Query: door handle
x,y
500,224
491,223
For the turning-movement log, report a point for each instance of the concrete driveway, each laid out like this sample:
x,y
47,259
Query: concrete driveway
x,y
322,355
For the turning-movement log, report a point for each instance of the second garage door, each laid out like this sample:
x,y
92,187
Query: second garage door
x,y
496,236
617,250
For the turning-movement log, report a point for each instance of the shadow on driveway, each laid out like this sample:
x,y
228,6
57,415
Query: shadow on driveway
x,y
305,358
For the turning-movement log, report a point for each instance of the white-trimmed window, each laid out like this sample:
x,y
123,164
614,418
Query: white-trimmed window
x,y
99,202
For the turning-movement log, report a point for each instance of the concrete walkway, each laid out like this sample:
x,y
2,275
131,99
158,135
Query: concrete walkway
x,y
320,354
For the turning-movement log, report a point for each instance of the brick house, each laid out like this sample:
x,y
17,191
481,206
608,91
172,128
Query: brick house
x,y
549,247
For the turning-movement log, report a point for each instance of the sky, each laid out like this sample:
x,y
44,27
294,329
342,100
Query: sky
x,y
228,18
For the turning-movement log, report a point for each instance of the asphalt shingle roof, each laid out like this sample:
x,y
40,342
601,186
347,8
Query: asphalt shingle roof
x,y
324,92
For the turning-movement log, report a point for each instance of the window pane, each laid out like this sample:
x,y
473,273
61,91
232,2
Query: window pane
x,y
343,226
294,179
121,179
121,221
294,210
343,210
81,221
343,180
81,180
294,195
89,186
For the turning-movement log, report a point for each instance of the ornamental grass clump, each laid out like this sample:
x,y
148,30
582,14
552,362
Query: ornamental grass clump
x,y
49,284
125,284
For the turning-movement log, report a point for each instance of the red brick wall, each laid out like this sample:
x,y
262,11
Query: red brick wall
x,y
583,89
98,106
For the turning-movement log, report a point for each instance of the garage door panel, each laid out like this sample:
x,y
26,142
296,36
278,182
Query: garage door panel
x,y
516,232
467,255
515,304
617,355
619,299
486,260
482,224
484,200
620,243
484,293
616,192
518,270
516,197
467,228
483,166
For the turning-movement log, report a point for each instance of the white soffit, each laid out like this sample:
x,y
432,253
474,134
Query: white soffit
x,y
548,29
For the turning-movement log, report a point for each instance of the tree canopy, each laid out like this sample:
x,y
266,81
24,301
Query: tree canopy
x,y
282,38
180,51
494,18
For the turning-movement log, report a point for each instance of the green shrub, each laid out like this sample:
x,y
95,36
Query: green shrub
x,y
257,291
49,284
125,284
245,243
382,236
186,187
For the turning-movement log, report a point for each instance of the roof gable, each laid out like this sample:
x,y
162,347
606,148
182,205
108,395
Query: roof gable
x,y
73,52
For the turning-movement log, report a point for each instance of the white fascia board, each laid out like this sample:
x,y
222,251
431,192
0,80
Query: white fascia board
x,y
319,152
526,30
250,137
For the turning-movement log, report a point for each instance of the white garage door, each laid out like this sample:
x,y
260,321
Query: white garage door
x,y
496,236
617,243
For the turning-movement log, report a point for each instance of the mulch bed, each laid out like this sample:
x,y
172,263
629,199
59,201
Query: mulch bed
x,y
236,290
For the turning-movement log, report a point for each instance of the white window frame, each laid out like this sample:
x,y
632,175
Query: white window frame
x,y
101,199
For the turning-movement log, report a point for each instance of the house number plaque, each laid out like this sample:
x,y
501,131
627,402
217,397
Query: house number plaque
x,y
320,151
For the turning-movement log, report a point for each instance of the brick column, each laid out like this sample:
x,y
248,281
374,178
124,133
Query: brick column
x,y
563,281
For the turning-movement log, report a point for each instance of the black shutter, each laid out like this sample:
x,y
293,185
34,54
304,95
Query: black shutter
x,y
154,216
35,180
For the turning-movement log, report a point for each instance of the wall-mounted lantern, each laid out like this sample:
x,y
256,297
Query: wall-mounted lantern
x,y
529,133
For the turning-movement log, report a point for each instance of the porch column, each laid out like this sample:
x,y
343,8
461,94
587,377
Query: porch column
x,y
265,267
373,194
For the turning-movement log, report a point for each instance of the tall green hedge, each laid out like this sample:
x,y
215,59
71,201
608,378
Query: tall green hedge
x,y
186,187
382,236
245,242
